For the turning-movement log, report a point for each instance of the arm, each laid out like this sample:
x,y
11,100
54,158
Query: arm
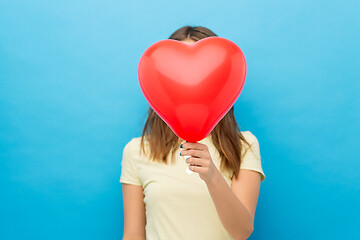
x,y
236,205
134,212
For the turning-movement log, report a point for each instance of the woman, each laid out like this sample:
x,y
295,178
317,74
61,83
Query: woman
x,y
218,201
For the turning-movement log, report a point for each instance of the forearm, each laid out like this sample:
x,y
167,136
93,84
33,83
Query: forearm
x,y
233,214
134,238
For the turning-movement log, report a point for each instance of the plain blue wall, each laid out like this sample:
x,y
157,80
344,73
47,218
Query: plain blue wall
x,y
70,101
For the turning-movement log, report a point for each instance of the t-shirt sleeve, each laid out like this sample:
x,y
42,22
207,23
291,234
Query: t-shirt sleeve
x,y
129,173
252,159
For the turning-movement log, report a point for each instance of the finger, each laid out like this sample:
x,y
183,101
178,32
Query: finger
x,y
197,161
194,145
194,153
196,169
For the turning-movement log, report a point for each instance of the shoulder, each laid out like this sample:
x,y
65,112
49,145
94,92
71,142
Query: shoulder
x,y
253,143
134,143
133,147
129,146
250,137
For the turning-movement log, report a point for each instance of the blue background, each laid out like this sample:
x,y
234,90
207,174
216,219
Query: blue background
x,y
70,101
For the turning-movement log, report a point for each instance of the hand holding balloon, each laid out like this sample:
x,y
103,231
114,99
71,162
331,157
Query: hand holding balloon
x,y
200,160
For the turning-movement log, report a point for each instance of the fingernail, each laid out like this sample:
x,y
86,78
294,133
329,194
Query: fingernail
x,y
180,153
180,145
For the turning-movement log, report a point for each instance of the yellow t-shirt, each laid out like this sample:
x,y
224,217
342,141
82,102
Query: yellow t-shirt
x,y
178,205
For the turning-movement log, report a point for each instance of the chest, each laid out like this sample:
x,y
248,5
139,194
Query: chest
x,y
170,184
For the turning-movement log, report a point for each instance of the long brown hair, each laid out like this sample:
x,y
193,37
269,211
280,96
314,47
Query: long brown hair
x,y
226,136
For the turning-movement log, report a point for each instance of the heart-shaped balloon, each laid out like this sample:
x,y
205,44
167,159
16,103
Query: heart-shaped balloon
x,y
192,86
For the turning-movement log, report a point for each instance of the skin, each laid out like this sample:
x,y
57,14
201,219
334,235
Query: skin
x,y
188,41
235,205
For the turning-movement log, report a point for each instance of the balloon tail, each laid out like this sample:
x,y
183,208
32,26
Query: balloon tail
x,y
187,170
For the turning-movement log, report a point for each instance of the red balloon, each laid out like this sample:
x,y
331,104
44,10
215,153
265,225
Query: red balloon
x,y
192,86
